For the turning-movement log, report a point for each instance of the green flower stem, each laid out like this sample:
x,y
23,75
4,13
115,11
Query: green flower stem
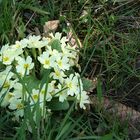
x,y
39,51
33,50
26,53
71,98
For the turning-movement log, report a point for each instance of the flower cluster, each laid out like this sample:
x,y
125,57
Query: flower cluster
x,y
33,57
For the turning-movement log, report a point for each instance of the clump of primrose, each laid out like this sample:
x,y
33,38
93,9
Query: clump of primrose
x,y
40,70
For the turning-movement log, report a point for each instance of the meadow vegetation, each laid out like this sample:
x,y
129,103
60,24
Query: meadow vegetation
x,y
109,32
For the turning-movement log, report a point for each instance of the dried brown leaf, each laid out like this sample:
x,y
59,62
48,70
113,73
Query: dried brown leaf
x,y
51,26
122,111
74,41
72,37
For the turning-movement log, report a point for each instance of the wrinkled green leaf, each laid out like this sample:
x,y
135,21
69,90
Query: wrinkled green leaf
x,y
87,84
45,77
55,43
32,82
56,105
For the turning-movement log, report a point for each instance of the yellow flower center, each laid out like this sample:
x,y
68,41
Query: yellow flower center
x,y
57,73
19,106
20,74
69,85
6,84
60,63
10,96
26,66
5,59
17,46
35,97
47,62
34,43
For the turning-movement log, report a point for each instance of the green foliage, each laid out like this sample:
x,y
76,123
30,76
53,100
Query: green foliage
x,y
56,105
32,82
87,84
56,45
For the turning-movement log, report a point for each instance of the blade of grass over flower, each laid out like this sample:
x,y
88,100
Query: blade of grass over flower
x,y
29,114
3,96
27,124
2,86
38,119
25,88
60,91
45,78
29,119
45,81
